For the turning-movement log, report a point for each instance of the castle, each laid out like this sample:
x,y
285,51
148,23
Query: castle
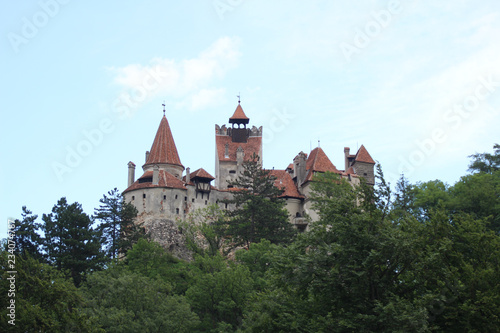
x,y
165,193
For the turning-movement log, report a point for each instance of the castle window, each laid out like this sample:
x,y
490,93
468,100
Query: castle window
x,y
133,197
192,200
232,171
226,206
229,186
365,174
144,195
206,202
185,198
177,211
164,197
176,196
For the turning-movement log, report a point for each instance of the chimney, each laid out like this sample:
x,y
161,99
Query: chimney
x,y
131,173
239,155
346,156
156,170
188,175
147,156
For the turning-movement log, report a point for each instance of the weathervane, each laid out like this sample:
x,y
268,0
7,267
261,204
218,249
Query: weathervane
x,y
238,98
163,108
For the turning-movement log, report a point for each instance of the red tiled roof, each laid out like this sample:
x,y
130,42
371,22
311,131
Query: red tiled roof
x,y
165,179
319,162
201,173
163,149
351,172
285,182
253,145
363,156
239,115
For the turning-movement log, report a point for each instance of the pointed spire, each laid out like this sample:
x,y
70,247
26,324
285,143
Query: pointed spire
x,y
163,150
239,117
363,156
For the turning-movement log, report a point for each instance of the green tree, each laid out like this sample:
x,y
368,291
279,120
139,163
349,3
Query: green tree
x,y
123,301
153,261
45,301
259,211
345,274
486,162
71,243
117,224
430,195
219,293
479,195
27,238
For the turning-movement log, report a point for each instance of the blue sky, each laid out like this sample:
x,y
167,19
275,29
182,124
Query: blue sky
x,y
416,82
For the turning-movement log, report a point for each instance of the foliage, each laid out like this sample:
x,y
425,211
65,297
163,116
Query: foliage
x,y
205,231
45,301
27,239
219,292
259,211
485,162
70,242
117,224
123,301
151,260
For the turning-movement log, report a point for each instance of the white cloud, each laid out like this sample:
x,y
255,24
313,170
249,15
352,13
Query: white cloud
x,y
189,82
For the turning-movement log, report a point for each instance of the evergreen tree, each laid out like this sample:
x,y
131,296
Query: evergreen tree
x,y
117,224
486,162
26,232
45,301
259,211
70,242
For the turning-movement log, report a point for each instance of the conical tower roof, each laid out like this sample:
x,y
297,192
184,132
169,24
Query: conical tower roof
x,y
163,150
239,117
363,156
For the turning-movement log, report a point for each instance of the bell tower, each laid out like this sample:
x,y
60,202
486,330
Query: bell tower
x,y
234,146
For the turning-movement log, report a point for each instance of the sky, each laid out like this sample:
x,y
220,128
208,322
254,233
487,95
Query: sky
x,y
83,83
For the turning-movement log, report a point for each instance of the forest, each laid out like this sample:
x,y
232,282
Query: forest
x,y
421,257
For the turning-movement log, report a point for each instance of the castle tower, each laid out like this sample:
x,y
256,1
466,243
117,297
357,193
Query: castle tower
x,y
362,164
234,146
156,191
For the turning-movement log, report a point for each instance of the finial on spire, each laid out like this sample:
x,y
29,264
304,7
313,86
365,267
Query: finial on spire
x,y
163,108
238,98
319,144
